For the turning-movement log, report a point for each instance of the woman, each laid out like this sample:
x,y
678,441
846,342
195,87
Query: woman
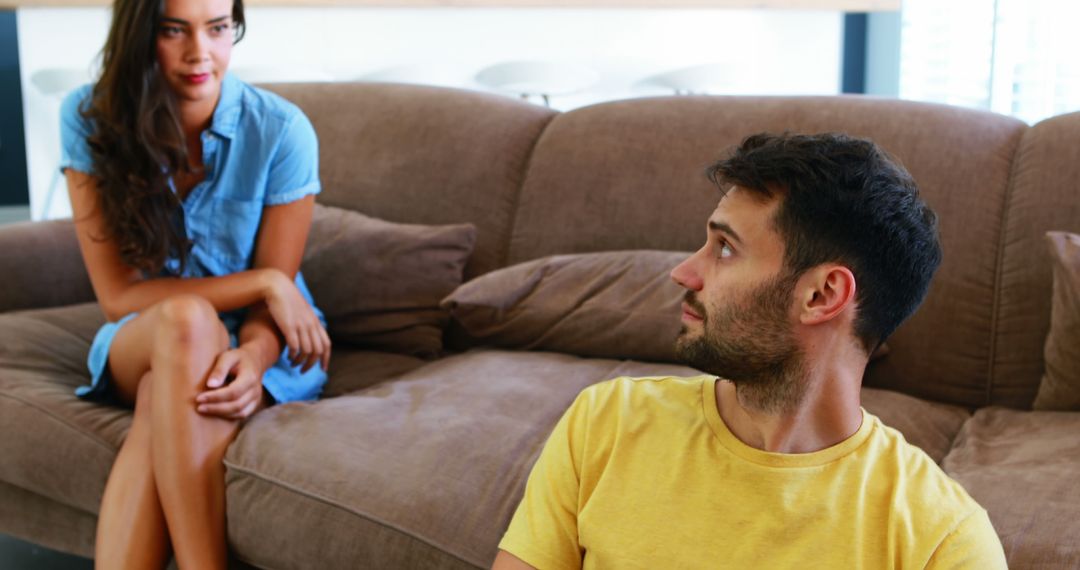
x,y
192,195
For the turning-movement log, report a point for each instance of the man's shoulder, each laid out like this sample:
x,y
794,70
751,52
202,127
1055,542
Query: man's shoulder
x,y
626,402
920,488
643,390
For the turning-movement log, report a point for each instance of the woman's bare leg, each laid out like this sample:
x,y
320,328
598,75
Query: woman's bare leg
x,y
130,496
177,341
188,447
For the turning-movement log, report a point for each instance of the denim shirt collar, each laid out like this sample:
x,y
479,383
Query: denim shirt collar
x,y
227,114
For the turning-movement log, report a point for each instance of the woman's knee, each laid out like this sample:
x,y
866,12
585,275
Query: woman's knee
x,y
187,320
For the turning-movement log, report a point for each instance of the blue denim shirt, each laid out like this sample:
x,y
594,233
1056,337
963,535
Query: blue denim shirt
x,y
259,151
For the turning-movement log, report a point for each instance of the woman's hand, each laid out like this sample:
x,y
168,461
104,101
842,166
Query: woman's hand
x,y
238,399
304,334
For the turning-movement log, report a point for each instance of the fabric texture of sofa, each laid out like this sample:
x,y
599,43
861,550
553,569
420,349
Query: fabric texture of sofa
x,y
415,461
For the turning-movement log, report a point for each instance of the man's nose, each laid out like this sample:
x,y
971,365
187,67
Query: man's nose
x,y
686,274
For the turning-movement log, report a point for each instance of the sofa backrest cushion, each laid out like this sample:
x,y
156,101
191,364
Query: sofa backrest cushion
x,y
423,155
629,175
1044,196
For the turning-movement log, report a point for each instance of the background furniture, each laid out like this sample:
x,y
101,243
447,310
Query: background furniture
x,y
543,79
709,78
55,83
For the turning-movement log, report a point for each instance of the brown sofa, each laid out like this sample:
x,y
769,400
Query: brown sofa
x,y
411,463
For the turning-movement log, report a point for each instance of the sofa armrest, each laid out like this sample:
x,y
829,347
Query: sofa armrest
x,y
41,266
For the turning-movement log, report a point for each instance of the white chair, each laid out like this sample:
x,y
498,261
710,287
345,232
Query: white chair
x,y
279,74
417,74
56,83
537,78
693,80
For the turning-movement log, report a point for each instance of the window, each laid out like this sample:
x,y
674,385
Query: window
x,y
1016,57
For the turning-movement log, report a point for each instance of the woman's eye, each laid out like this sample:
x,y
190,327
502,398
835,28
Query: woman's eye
x,y
171,31
219,29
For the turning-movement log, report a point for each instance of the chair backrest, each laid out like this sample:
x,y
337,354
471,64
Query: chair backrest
x,y
58,81
537,77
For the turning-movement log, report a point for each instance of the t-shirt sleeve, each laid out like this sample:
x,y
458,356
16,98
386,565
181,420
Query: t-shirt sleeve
x,y
294,169
74,131
544,531
973,544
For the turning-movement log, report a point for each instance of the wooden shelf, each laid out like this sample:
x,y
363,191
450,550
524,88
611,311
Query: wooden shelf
x,y
835,5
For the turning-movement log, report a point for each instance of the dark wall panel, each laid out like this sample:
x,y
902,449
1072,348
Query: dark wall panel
x,y
14,189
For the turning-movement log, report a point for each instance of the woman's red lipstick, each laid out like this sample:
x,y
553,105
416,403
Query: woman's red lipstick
x,y
196,78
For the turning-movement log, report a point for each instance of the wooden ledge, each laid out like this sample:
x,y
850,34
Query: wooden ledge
x,y
832,5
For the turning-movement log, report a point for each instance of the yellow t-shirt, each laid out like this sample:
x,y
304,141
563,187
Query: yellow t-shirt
x,y
643,473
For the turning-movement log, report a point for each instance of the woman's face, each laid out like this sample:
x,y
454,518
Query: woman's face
x,y
194,43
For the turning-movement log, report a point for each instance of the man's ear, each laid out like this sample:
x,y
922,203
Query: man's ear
x,y
826,291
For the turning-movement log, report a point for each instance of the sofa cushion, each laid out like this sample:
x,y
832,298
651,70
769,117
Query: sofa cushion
x,y
423,154
45,267
421,471
62,448
1060,387
54,444
380,283
618,304
352,369
1022,467
1042,197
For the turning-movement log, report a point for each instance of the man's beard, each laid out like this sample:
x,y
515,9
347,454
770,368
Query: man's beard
x,y
750,342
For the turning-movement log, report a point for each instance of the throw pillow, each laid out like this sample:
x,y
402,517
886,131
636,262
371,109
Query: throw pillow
x,y
379,283
615,304
618,304
1060,387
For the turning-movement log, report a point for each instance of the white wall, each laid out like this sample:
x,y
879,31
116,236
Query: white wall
x,y
767,52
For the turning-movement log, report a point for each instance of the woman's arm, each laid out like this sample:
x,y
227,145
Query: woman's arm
x,y
121,289
283,233
279,247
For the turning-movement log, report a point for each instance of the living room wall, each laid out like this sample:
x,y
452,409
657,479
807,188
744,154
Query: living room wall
x,y
766,52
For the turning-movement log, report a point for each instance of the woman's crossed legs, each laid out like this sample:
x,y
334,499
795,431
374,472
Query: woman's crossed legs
x,y
168,481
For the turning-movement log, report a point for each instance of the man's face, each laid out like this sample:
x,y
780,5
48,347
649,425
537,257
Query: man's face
x,y
737,315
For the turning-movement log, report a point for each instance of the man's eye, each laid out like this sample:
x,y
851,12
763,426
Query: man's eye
x,y
725,250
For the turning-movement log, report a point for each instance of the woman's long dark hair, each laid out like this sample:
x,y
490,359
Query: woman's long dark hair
x,y
137,142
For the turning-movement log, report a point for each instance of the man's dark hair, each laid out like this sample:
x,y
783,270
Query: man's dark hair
x,y
844,200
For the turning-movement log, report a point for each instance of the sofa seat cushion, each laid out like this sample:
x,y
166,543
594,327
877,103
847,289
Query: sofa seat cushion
x,y
62,448
352,369
422,471
1022,467
53,443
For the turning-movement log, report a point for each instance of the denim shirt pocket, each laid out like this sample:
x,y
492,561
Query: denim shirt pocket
x,y
234,228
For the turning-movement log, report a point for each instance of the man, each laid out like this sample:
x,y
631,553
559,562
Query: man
x,y
818,250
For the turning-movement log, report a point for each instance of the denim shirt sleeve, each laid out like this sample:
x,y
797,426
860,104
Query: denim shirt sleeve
x,y
294,168
74,131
